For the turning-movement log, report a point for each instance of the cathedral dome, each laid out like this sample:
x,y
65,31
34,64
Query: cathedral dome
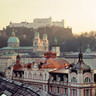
x,y
13,39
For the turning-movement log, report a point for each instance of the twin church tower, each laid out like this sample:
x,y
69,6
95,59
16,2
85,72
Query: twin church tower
x,y
39,45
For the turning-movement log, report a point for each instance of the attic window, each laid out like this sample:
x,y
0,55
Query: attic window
x,y
87,80
74,80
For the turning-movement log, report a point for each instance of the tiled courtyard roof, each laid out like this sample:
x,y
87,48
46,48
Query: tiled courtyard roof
x,y
14,88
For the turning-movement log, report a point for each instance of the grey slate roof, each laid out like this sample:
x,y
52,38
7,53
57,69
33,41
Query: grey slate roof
x,y
14,88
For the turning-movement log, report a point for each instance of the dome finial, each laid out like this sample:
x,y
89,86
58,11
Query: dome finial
x,y
80,53
13,33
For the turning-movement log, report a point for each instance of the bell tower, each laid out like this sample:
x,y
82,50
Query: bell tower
x,y
56,47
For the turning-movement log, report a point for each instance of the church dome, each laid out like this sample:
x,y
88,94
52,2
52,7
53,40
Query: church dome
x,y
13,38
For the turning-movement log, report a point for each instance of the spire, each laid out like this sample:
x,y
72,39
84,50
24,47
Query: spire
x,y
36,32
80,53
80,56
13,33
55,40
18,59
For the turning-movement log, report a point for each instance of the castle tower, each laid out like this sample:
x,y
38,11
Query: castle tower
x,y
56,47
13,41
45,42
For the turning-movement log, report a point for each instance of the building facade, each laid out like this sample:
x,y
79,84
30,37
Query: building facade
x,y
56,75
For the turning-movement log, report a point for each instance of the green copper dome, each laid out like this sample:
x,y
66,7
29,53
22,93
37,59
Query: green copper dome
x,y
55,40
36,33
44,35
13,38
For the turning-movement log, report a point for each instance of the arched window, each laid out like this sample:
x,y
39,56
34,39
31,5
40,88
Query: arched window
x,y
41,77
26,75
35,76
87,80
29,75
74,80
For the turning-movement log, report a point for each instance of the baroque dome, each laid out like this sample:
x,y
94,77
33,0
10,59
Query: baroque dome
x,y
13,39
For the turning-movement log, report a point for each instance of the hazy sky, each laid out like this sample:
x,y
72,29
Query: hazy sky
x,y
78,14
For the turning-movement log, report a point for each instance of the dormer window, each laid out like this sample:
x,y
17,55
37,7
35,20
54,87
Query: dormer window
x,y
87,80
74,80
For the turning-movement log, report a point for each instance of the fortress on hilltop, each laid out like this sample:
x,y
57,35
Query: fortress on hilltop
x,y
38,22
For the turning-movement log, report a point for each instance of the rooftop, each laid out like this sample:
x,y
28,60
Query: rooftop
x,y
14,88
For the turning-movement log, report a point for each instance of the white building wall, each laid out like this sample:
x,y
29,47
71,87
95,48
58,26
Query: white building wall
x,y
39,22
5,63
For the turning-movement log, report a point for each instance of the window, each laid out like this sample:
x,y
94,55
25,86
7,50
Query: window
x,y
87,80
65,91
61,90
26,75
50,88
41,76
45,87
29,75
87,92
35,76
74,80
58,91
73,92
